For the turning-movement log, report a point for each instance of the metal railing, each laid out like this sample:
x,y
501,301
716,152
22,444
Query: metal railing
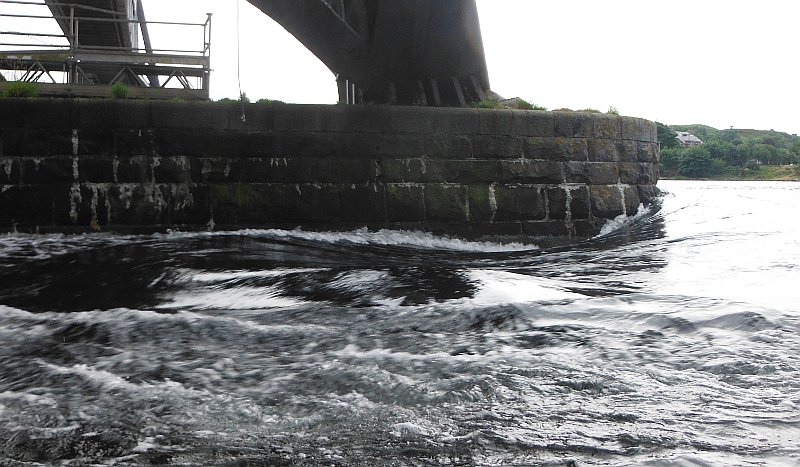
x,y
80,60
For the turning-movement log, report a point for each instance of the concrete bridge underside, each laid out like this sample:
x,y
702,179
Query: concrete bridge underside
x,y
423,52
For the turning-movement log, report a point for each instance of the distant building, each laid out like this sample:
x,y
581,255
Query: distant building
x,y
688,140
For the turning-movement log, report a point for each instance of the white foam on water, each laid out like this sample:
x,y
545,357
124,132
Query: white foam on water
x,y
240,298
363,236
495,287
622,221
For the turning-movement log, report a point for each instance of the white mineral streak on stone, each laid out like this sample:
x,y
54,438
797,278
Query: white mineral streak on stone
x,y
74,199
6,164
125,194
467,204
227,168
156,163
621,189
297,187
182,195
37,161
206,166
75,168
211,223
423,167
114,167
569,202
492,202
95,200
74,142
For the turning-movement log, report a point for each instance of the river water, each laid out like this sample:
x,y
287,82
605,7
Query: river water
x,y
671,339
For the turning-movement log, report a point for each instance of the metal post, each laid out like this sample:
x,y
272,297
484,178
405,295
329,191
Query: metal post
x,y
146,36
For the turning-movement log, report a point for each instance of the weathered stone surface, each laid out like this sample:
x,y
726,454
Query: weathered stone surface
x,y
11,170
574,124
648,152
519,203
603,150
26,205
556,149
37,170
607,201
496,122
606,126
482,204
405,203
445,203
638,173
448,146
635,129
648,193
498,147
530,172
591,173
632,201
580,204
533,123
557,203
457,171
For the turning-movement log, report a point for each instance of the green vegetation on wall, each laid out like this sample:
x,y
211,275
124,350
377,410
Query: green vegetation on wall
x,y
19,89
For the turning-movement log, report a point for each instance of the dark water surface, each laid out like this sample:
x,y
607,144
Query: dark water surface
x,y
672,339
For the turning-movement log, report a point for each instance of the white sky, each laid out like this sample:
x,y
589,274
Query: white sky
x,y
718,62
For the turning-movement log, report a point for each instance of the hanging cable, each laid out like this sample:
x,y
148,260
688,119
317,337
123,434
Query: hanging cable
x,y
238,61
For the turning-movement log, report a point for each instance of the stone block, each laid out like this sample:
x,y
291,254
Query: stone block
x,y
60,142
534,123
443,146
113,113
545,228
648,152
445,203
491,232
498,147
530,172
579,204
139,204
190,115
257,116
392,170
556,203
53,114
496,122
628,151
367,119
607,202
648,194
215,169
347,171
134,169
556,149
457,121
190,204
242,144
606,126
248,204
376,145
23,142
96,142
11,170
592,173
29,205
412,119
636,129
482,204
603,150
38,170
574,124
174,142
311,118
96,169
588,227
632,201
638,173
319,203
175,169
362,203
405,203
519,203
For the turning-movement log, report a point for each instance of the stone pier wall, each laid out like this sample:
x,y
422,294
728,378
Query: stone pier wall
x,y
71,165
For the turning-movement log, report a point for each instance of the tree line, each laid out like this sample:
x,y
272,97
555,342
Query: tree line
x,y
729,152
